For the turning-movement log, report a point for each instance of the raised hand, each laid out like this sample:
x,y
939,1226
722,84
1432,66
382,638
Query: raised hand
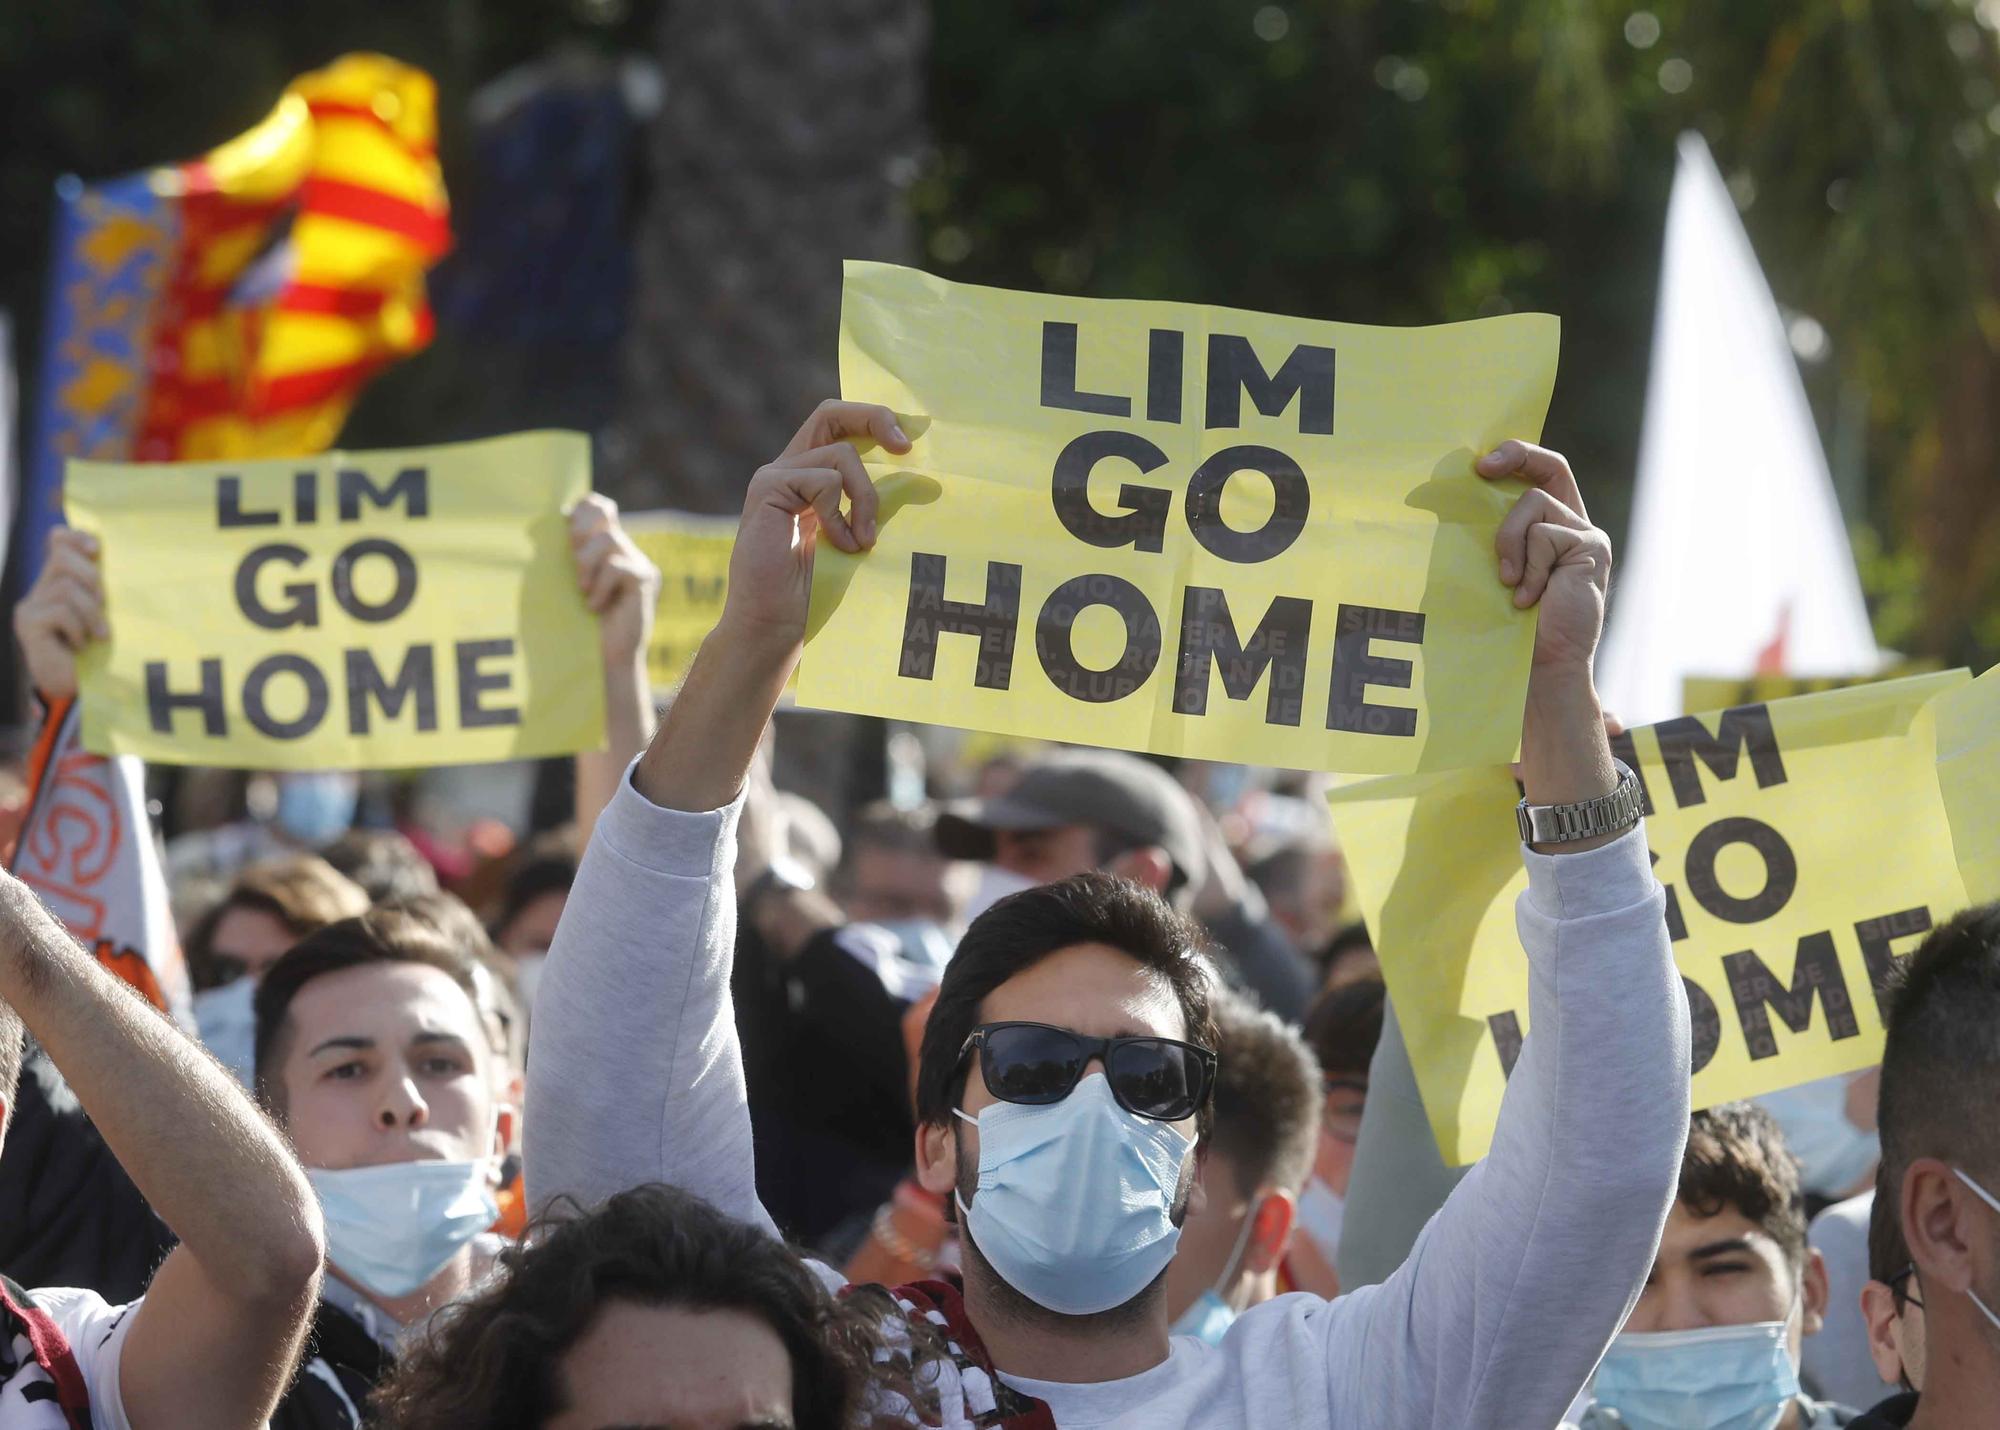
x,y
620,583
1551,554
62,613
1553,557
795,500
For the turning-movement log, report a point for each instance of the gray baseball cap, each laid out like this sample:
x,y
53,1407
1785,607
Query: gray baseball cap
x,y
1118,793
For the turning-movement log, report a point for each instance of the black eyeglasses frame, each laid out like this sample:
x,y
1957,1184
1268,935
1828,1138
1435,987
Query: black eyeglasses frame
x,y
1095,1050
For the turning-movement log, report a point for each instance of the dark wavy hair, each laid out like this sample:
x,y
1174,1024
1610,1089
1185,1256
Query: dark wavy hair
x,y
495,1361
1736,1157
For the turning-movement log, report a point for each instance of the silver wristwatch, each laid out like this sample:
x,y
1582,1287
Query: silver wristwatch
x,y
1612,813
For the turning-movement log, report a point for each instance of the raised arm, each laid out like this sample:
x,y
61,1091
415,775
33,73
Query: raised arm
x,y
623,588
216,1337
1515,1287
635,1074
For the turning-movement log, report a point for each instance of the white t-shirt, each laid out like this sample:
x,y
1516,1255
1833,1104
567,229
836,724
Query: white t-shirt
x,y
96,1334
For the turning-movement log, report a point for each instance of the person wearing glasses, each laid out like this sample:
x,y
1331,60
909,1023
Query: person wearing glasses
x,y
1940,1180
1065,1074
1893,1310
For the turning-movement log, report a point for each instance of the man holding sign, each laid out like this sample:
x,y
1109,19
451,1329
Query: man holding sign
x,y
1064,1078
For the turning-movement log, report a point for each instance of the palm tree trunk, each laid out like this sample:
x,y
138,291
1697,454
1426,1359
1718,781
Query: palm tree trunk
x,y
787,136
786,139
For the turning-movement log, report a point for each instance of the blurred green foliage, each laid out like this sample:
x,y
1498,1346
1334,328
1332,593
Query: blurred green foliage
x,y
1408,161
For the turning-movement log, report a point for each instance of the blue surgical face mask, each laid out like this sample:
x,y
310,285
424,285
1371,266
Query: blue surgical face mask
x,y
1715,1378
1075,1201
392,1228
1211,1316
1834,1155
227,1020
316,807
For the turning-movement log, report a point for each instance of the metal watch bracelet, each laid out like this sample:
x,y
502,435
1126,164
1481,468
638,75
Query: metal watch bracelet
x,y
1612,813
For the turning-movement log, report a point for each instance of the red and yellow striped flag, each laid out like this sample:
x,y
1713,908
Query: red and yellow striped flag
x,y
300,270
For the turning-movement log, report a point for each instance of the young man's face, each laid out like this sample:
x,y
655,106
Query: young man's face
x,y
1089,988
388,1062
1726,1270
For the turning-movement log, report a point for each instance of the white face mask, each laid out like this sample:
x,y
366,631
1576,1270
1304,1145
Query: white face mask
x,y
227,1019
392,1228
528,978
994,885
1322,1211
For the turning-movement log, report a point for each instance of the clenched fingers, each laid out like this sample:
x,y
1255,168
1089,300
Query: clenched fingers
x,y
854,481
1510,541
1550,545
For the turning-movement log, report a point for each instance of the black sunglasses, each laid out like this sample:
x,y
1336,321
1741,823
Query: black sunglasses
x,y
1899,1286
1037,1064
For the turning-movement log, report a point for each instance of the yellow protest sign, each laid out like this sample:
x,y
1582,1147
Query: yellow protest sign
x,y
345,610
692,553
1714,692
1805,846
1188,530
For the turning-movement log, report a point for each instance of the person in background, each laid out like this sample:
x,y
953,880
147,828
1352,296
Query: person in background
x,y
383,862
1077,810
891,872
653,1309
1837,1364
214,1338
380,1055
1829,1124
1894,1317
1348,957
285,812
1941,1168
270,907
1260,1153
1715,1337
1341,1032
1305,884
1064,1073
531,905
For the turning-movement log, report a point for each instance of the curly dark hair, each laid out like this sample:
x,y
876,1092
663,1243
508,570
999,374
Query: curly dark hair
x,y
495,1361
1736,1157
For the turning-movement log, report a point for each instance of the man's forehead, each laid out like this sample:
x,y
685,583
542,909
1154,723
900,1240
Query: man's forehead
x,y
1691,1231
1093,989
384,998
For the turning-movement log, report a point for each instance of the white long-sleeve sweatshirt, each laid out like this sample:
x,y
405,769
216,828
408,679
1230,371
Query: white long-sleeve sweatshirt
x,y
1497,1318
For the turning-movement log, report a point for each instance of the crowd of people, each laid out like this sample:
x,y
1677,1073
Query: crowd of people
x,y
1067,1093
